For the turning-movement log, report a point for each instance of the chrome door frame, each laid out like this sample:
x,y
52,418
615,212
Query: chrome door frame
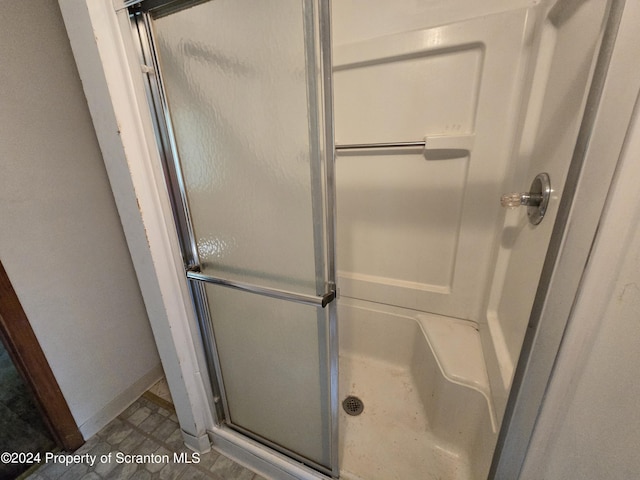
x,y
140,20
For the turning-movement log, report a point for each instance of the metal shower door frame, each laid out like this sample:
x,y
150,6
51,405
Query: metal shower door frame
x,y
140,19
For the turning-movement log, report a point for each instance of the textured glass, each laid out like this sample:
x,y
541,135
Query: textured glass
x,y
235,77
242,100
273,357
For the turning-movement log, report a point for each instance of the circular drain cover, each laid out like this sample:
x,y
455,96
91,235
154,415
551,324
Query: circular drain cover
x,y
353,405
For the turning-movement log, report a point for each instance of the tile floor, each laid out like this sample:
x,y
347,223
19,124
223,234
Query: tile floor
x,y
21,426
148,426
161,390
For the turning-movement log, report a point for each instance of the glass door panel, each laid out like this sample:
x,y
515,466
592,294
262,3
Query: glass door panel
x,y
274,359
235,75
241,110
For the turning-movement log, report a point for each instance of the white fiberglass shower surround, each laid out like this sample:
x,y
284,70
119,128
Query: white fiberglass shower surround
x,y
410,296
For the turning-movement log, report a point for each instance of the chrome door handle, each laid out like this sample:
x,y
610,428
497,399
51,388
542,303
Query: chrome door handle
x,y
194,273
536,199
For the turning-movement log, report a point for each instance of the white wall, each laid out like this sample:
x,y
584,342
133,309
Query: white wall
x,y
61,240
102,44
589,422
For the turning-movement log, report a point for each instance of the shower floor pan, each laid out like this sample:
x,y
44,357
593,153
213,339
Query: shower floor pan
x,y
416,423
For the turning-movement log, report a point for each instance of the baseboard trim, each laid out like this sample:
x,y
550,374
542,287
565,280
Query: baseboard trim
x,y
120,403
201,444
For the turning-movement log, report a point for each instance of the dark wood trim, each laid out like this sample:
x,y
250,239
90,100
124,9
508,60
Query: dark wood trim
x,y
29,359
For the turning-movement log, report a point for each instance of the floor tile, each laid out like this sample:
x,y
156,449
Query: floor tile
x,y
52,471
171,471
130,410
123,471
164,412
152,422
104,469
139,416
89,476
193,473
165,429
161,389
141,475
75,472
132,440
208,459
229,470
89,445
22,428
154,467
118,432
143,429
149,446
175,440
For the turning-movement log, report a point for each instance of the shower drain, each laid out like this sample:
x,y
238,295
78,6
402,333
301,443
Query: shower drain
x,y
353,405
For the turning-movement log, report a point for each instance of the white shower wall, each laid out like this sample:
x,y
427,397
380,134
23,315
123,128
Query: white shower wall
x,y
567,39
498,94
417,228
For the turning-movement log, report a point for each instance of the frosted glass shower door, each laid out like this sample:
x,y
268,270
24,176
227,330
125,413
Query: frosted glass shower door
x,y
243,99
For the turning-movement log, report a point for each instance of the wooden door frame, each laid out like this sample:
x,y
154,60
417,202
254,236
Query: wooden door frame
x,y
29,359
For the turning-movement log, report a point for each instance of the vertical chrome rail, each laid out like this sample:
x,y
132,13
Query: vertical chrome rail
x,y
141,26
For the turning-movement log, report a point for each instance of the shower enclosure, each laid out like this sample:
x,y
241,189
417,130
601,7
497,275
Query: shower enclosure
x,y
410,296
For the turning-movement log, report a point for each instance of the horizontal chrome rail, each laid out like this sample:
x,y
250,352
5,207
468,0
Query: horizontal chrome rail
x,y
128,3
367,146
316,301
